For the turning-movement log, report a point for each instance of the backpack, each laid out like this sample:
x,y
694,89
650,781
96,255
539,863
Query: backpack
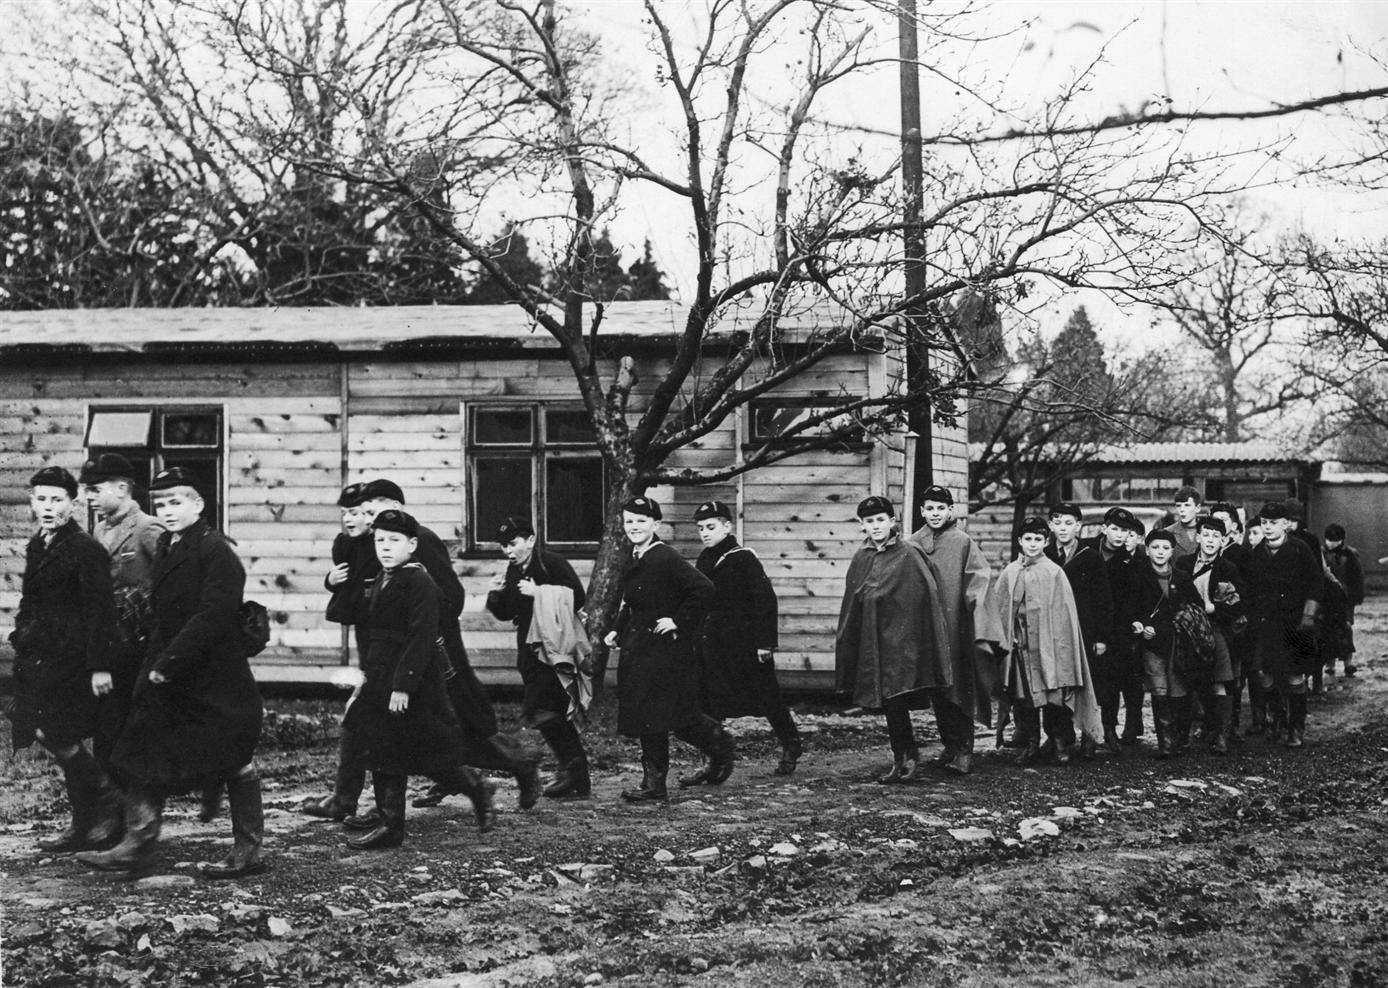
x,y
255,627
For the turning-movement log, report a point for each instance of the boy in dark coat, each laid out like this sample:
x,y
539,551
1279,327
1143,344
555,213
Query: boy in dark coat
x,y
1343,562
402,721
546,704
1220,586
355,568
737,643
664,601
892,649
131,539
195,715
1117,670
1284,585
63,668
1088,573
1162,590
1235,553
487,747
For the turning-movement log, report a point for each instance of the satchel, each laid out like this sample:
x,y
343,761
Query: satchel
x,y
1194,643
255,627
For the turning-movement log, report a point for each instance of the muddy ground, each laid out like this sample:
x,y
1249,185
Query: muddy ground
x,y
1268,867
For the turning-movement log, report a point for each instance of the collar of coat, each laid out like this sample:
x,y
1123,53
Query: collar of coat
x,y
892,540
61,534
637,553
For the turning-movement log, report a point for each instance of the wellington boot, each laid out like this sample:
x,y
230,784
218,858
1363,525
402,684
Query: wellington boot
x,y
790,757
573,781
390,803
144,817
722,756
247,830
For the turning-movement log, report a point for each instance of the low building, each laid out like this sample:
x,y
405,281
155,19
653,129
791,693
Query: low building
x,y
472,410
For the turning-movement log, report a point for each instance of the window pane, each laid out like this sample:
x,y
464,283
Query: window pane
x,y
771,421
192,429
502,427
501,486
119,429
568,427
573,499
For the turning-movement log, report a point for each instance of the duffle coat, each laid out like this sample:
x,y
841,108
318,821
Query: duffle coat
x,y
64,631
658,674
203,722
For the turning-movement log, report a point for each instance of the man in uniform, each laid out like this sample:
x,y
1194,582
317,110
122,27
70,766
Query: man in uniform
x,y
131,539
1088,572
487,747
64,662
963,574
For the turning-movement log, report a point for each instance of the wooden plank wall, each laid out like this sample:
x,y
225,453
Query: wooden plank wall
x,y
286,451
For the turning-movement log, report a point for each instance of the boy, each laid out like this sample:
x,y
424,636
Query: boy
x,y
1284,586
892,646
1162,591
1220,586
737,643
1186,506
402,721
963,574
131,538
1029,618
547,704
1343,561
64,662
487,746
1118,672
355,567
196,712
1088,573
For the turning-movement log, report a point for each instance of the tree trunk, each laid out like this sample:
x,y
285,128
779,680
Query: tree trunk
x,y
1019,515
1229,385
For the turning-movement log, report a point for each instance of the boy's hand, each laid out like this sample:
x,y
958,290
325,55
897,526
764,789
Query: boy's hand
x,y
1149,632
102,683
526,587
399,702
1100,648
155,676
499,581
337,575
610,639
1137,627
766,655
664,626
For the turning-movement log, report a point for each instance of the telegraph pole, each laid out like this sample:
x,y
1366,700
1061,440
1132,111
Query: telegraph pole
x,y
917,352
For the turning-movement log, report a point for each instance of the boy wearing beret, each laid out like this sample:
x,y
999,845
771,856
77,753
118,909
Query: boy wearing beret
x,y
487,747
1118,669
664,601
64,658
1029,618
963,575
1088,572
892,647
402,721
1162,591
195,713
355,567
1220,586
1343,562
547,704
1284,586
737,642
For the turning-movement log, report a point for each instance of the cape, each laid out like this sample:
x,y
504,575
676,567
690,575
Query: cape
x,y
963,574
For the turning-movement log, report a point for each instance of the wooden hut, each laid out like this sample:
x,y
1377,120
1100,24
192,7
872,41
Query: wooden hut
x,y
472,410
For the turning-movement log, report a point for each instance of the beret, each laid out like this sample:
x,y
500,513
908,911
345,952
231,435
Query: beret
x,y
387,489
55,477
1135,525
875,505
107,466
513,527
713,509
1212,523
1334,532
1034,526
1274,509
938,494
172,477
1158,534
643,506
394,520
1066,508
1295,509
352,496
1121,517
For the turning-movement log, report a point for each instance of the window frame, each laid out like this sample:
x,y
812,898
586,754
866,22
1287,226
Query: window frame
x,y
158,453
754,440
538,452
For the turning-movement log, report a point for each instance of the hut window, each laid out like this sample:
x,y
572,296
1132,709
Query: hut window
x,y
155,437
537,458
769,421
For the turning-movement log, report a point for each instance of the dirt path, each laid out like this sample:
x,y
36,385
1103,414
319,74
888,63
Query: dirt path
x,y
1264,868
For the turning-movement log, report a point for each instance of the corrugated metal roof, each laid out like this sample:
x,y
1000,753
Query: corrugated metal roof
x,y
1254,451
344,329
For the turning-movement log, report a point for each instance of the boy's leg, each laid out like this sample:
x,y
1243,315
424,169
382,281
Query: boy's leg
x,y
390,804
247,827
711,738
902,738
655,765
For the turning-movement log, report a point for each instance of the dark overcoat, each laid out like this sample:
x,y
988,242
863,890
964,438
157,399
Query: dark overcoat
x,y
470,700
1279,586
1226,616
545,697
1344,563
404,656
1159,610
348,603
1090,585
63,633
658,675
742,618
203,723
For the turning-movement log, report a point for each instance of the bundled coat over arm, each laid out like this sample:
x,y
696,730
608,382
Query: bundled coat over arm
x,y
658,675
404,657
892,636
64,631
204,721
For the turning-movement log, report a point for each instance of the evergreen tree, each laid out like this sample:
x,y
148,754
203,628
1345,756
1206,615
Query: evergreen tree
x,y
646,280
511,252
606,280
